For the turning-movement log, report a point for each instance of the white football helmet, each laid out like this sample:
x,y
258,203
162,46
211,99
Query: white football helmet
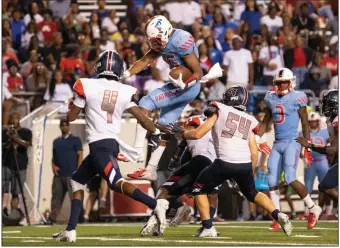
x,y
284,75
158,30
314,116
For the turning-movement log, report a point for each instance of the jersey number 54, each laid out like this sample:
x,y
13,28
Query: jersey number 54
x,y
235,122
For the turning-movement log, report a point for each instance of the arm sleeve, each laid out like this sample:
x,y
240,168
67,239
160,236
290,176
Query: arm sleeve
x,y
255,126
80,98
185,43
302,100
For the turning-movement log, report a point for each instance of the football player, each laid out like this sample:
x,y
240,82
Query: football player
x,y
233,132
320,164
285,107
177,47
105,100
182,179
329,108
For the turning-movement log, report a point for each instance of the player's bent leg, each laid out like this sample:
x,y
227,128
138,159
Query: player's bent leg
x,y
330,182
140,137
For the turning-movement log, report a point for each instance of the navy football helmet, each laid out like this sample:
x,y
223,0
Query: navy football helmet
x,y
329,103
237,97
109,64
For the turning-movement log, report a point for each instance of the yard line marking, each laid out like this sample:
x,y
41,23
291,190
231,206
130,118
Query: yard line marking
x,y
162,240
33,241
7,232
306,236
264,227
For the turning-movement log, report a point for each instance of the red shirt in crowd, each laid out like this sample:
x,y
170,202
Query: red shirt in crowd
x,y
299,57
71,64
47,28
331,64
13,83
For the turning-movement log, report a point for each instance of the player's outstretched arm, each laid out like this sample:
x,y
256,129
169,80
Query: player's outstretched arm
x,y
254,152
193,64
145,122
139,65
265,123
304,122
201,130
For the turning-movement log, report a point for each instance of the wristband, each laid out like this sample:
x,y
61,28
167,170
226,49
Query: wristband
x,y
157,132
126,74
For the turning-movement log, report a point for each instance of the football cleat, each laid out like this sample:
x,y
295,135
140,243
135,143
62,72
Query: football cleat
x,y
181,214
149,173
150,225
208,232
275,226
136,174
66,236
313,217
160,212
285,223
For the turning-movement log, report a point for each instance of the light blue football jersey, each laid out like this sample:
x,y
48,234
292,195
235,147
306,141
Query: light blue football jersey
x,y
285,114
181,43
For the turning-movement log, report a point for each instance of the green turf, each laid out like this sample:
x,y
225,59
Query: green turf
x,y
232,233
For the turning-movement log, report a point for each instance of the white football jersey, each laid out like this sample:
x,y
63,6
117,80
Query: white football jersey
x,y
231,134
203,146
104,102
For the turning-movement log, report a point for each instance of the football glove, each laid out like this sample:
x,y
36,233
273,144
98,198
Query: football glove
x,y
178,82
174,129
263,147
307,157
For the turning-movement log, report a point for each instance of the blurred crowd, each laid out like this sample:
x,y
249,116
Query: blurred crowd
x,y
48,44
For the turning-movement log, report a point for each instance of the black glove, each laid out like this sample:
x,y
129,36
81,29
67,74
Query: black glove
x,y
174,129
173,163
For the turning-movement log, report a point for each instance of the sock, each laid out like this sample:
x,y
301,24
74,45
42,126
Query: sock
x,y
212,212
207,223
308,201
275,196
306,211
156,156
329,210
140,196
275,214
175,203
86,216
76,207
140,137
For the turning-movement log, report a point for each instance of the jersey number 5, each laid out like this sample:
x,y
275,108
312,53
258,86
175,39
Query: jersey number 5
x,y
233,123
281,114
109,103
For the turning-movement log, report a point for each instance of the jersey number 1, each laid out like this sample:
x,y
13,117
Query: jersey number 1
x,y
109,103
233,123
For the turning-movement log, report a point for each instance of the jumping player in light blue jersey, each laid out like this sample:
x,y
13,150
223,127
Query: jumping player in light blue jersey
x,y
177,47
285,107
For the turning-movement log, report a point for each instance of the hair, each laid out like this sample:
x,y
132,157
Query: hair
x,y
206,41
36,76
32,23
223,19
256,8
53,83
303,5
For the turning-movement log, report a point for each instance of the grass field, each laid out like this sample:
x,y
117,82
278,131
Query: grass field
x,y
232,234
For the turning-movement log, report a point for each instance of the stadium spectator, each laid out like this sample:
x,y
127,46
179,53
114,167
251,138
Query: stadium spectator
x,y
271,58
32,30
228,38
58,91
33,14
59,8
191,12
15,142
153,83
297,59
102,10
207,13
215,54
172,8
47,27
106,44
69,31
95,25
220,25
239,65
7,29
313,81
272,20
252,15
71,65
7,103
245,34
38,79
27,67
7,54
110,22
205,61
303,21
12,79
331,58
258,69
325,73
117,36
67,157
74,14
18,27
54,52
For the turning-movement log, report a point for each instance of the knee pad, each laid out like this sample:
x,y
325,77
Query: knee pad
x,y
76,186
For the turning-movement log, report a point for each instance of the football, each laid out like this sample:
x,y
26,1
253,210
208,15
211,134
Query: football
x,y
186,73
